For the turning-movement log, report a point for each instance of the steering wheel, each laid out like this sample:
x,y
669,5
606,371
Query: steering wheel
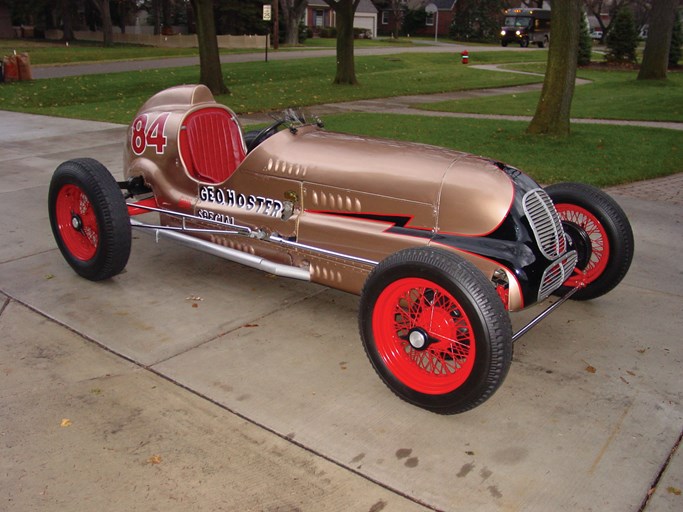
x,y
264,134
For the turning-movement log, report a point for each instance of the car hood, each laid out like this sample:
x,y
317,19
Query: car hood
x,y
470,195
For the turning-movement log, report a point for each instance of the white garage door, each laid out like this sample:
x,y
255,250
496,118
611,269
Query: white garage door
x,y
366,22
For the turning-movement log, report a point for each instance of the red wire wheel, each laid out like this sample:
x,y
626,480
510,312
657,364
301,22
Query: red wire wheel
x,y
77,222
420,309
599,231
89,219
435,330
599,242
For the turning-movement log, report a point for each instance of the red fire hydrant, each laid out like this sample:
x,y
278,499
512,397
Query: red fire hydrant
x,y
465,57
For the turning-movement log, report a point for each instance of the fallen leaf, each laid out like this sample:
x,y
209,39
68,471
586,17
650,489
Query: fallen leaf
x,y
590,369
66,422
154,459
195,305
673,490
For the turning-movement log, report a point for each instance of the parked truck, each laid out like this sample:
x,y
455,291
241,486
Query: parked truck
x,y
526,26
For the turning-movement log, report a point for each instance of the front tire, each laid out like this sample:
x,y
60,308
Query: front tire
x,y
601,233
89,219
435,330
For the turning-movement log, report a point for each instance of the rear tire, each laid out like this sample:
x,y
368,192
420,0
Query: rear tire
x,y
435,330
89,219
601,233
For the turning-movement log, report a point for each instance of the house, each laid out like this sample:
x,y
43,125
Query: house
x,y
320,16
392,13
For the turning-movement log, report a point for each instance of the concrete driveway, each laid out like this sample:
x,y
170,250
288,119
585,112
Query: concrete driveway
x,y
190,383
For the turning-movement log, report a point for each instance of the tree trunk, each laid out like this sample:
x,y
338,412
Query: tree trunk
x,y
292,10
552,112
346,69
209,58
656,54
105,15
156,10
67,23
165,14
107,28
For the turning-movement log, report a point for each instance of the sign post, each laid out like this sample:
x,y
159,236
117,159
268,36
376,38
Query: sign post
x,y
267,16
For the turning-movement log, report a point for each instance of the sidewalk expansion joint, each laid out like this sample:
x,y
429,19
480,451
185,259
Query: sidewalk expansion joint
x,y
655,483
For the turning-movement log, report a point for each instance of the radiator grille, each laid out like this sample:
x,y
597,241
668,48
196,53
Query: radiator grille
x,y
556,274
545,223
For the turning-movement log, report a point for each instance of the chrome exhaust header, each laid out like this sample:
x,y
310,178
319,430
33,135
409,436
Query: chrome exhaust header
x,y
226,253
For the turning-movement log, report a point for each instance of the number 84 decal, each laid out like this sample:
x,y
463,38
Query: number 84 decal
x,y
148,130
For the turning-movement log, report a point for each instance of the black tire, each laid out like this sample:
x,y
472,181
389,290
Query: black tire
x,y
600,232
89,219
503,44
524,42
446,375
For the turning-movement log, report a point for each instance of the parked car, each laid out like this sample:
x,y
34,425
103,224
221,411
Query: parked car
x,y
440,245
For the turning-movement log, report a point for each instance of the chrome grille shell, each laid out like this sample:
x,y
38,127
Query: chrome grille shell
x,y
545,223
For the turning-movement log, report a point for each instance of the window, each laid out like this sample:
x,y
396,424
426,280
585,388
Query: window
x,y
385,17
319,18
430,19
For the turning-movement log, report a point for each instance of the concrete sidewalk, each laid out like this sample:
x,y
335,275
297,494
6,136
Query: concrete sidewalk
x,y
191,383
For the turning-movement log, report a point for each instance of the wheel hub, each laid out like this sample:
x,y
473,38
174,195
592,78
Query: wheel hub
x,y
580,241
76,222
418,338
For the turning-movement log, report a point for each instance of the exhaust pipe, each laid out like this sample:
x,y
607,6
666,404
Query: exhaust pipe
x,y
226,253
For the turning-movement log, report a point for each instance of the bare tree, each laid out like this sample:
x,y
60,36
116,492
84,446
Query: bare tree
x,y
599,7
210,73
656,54
292,10
345,11
552,112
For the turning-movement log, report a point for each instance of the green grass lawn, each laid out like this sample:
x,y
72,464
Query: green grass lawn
x,y
56,53
257,86
611,95
53,53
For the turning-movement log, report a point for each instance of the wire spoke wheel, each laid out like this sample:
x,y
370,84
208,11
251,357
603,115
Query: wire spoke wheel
x,y
89,219
601,234
596,234
409,306
435,330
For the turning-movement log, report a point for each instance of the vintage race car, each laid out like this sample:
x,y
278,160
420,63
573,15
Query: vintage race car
x,y
439,244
